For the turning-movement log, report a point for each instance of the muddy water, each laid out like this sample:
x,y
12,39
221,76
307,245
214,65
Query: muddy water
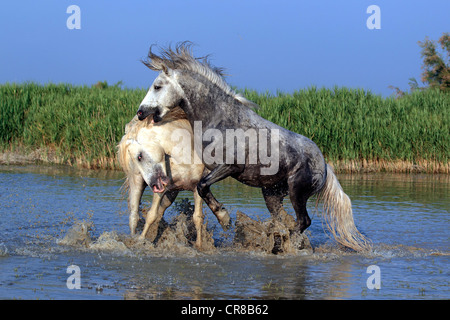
x,y
406,217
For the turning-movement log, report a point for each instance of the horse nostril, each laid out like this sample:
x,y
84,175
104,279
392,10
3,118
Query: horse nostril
x,y
140,115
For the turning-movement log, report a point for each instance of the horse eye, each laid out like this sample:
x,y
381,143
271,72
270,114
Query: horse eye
x,y
156,87
139,156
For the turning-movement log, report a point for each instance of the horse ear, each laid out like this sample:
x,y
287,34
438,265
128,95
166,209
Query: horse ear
x,y
166,70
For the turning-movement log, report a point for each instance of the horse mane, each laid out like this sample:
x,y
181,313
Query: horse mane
x,y
132,128
182,59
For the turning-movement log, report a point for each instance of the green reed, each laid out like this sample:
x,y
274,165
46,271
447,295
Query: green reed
x,y
356,124
76,122
86,123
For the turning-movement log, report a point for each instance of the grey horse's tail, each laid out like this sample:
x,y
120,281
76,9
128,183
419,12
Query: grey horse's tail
x,y
338,215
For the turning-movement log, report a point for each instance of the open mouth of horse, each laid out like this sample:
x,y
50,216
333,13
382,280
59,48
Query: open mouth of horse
x,y
156,117
159,184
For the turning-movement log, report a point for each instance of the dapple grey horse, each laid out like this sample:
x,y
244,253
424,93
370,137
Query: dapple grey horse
x,y
296,168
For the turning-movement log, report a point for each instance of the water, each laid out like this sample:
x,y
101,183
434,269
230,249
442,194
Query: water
x,y
406,217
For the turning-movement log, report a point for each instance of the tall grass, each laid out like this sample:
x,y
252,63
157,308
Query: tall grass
x,y
82,125
78,124
354,125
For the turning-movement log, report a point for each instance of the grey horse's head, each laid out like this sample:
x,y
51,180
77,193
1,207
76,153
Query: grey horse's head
x,y
166,93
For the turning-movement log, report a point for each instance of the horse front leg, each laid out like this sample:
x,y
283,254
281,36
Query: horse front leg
x,y
152,214
167,200
218,210
161,204
198,218
203,187
136,189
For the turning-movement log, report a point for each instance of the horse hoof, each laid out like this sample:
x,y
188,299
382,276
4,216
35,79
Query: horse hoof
x,y
224,219
303,225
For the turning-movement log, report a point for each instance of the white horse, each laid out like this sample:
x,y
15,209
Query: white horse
x,y
148,156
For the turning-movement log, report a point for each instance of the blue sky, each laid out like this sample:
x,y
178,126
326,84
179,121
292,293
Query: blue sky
x,y
263,45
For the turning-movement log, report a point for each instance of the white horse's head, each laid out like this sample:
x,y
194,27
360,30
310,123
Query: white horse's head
x,y
149,158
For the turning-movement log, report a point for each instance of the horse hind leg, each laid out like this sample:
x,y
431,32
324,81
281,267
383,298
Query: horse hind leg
x,y
274,200
299,192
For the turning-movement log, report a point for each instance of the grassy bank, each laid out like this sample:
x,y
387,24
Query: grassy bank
x,y
356,130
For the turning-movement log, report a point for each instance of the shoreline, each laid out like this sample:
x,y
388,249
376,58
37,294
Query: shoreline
x,y
41,156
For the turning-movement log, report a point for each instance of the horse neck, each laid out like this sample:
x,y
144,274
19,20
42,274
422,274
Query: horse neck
x,y
203,99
